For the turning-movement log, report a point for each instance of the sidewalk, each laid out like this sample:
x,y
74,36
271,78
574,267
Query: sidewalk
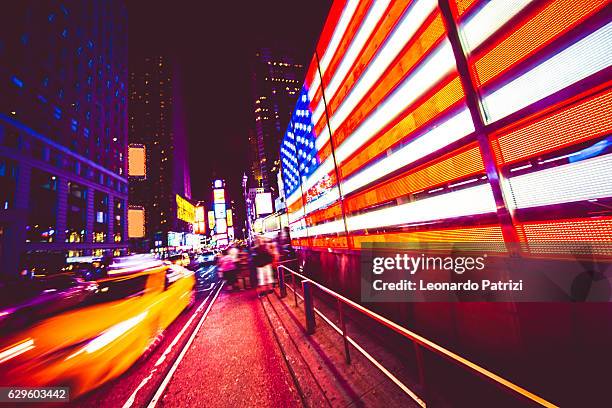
x,y
234,361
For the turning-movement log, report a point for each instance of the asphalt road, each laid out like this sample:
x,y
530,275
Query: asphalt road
x,y
137,386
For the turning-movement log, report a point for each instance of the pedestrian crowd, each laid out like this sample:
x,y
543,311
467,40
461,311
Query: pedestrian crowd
x,y
259,260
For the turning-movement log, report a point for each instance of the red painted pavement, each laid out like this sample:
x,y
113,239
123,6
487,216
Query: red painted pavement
x,y
234,361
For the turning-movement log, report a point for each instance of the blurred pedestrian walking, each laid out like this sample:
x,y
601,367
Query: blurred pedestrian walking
x,y
263,261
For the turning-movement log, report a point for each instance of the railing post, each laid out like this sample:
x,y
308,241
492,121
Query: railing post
x,y
281,282
347,354
308,306
294,289
418,351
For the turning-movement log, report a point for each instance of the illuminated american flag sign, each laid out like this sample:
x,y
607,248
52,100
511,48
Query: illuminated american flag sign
x,y
453,120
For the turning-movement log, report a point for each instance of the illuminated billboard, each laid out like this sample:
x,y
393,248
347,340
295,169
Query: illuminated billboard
x,y
230,218
230,233
199,227
175,239
258,225
219,195
211,220
221,227
185,210
137,159
219,211
199,213
263,204
136,222
406,153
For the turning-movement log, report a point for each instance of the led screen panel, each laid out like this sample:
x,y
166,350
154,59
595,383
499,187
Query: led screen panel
x,y
211,219
185,210
221,227
263,204
219,195
199,213
394,139
136,222
175,239
219,211
137,161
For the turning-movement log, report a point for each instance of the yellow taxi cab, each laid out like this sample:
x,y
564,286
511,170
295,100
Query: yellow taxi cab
x,y
85,346
181,259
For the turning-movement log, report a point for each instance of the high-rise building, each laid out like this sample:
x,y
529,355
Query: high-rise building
x,y
276,82
157,122
63,131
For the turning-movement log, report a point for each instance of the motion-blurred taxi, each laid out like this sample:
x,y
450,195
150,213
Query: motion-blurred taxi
x,y
181,259
86,345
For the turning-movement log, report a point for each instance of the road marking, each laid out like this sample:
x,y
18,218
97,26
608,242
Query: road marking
x,y
132,397
207,289
166,381
208,271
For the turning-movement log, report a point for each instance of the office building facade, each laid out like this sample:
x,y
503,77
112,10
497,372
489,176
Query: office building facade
x,y
63,131
276,82
157,122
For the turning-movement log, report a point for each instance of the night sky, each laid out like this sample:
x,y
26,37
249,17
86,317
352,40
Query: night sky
x,y
213,41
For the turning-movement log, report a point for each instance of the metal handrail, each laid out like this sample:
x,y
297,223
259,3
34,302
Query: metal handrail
x,y
416,338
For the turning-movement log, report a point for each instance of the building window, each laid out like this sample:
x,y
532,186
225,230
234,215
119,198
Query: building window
x,y
101,217
43,207
8,182
118,220
76,220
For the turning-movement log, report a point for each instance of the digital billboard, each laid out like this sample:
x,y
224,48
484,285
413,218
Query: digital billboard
x,y
263,204
199,227
219,211
211,220
184,210
230,218
410,159
199,213
137,161
221,227
176,239
136,222
219,195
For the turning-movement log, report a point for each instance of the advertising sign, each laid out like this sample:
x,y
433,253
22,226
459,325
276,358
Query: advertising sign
x,y
219,211
230,219
184,210
137,161
199,227
175,238
211,220
263,204
221,227
219,195
136,222
199,213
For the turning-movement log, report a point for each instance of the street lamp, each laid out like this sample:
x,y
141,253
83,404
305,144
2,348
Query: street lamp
x,y
248,206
